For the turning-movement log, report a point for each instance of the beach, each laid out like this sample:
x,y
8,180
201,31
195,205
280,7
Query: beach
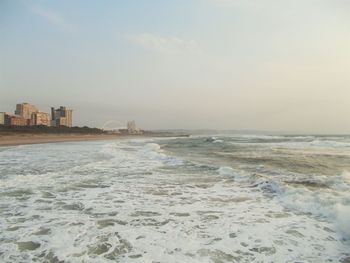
x,y
9,139
18,138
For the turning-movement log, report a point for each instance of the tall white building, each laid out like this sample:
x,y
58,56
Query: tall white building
x,y
132,129
131,126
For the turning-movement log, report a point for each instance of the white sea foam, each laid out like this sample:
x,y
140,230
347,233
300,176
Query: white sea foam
x,y
343,219
133,201
261,136
328,204
331,206
225,170
329,144
239,176
346,177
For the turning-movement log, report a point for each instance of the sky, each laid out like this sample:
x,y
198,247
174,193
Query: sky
x,y
272,65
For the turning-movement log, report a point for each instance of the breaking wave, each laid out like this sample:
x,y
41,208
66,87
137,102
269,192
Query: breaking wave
x,y
142,200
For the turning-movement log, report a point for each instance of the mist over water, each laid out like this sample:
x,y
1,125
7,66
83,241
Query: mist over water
x,y
222,198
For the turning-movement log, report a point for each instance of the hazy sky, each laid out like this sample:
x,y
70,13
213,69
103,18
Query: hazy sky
x,y
277,65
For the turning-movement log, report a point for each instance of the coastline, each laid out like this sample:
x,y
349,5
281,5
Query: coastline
x,y
30,138
14,139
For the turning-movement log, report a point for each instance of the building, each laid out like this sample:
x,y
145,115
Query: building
x,y
15,120
25,110
132,129
40,118
2,118
131,126
61,117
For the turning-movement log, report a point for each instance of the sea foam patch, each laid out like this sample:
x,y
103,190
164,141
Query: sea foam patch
x,y
138,201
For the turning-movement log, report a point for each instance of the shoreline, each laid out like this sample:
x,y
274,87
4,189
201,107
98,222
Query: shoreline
x,y
32,138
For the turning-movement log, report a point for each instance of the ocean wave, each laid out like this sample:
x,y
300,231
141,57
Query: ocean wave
x,y
261,136
153,147
329,144
315,144
239,176
155,152
269,187
346,176
227,171
214,139
135,156
119,201
343,219
332,204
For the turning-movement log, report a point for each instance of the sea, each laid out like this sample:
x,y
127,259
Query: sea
x,y
202,198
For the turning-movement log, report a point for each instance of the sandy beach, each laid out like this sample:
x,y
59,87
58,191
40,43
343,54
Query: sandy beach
x,y
20,138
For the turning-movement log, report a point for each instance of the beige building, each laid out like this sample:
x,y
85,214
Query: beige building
x,y
2,118
40,118
16,120
25,110
61,117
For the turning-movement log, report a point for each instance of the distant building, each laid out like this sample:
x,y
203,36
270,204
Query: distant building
x,y
25,110
132,129
16,120
27,114
61,117
2,118
131,126
40,118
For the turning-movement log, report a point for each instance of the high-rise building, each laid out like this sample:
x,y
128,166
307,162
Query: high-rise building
x,y
25,110
40,118
61,117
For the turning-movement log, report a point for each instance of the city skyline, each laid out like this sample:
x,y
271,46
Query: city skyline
x,y
26,114
201,64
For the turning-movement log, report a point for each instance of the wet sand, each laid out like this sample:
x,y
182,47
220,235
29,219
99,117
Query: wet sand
x,y
9,139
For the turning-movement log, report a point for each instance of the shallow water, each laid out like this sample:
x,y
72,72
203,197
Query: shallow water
x,y
229,198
